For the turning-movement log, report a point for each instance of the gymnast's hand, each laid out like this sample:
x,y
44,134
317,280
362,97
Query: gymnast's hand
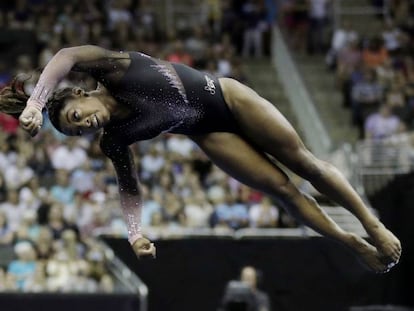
x,y
31,120
143,248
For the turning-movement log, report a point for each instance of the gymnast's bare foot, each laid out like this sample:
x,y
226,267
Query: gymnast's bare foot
x,y
367,254
386,243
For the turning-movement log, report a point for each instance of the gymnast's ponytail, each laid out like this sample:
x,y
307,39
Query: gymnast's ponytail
x,y
13,98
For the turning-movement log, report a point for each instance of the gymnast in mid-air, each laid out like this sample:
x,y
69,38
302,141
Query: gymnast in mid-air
x,y
139,97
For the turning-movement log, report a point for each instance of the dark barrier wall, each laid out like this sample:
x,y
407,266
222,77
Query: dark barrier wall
x,y
68,302
395,204
299,274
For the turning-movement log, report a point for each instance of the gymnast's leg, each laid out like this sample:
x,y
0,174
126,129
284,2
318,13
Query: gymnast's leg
x,y
242,161
261,122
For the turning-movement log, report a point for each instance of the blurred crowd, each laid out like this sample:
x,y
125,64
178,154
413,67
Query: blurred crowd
x,y
374,72
56,192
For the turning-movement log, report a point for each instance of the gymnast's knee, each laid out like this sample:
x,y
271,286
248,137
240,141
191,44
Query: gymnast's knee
x,y
310,167
285,191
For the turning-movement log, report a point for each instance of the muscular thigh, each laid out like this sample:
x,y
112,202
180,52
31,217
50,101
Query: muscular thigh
x,y
243,161
262,123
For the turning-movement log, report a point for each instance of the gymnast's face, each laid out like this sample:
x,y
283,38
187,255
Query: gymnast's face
x,y
83,112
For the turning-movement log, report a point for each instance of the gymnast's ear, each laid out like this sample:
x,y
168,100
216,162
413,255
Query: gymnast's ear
x,y
77,91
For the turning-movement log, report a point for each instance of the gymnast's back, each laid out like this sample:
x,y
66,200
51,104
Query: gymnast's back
x,y
162,96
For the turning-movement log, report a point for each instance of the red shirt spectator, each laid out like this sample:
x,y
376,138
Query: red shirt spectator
x,y
376,54
8,124
179,55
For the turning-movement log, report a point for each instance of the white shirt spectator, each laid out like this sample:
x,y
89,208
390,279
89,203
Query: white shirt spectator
x,y
318,8
151,163
342,37
83,180
64,157
17,175
263,214
197,216
381,124
391,38
181,145
14,213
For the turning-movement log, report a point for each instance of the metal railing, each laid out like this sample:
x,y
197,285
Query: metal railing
x,y
339,9
316,135
380,161
124,275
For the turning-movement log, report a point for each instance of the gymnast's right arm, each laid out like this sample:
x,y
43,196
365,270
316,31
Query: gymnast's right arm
x,y
129,192
57,68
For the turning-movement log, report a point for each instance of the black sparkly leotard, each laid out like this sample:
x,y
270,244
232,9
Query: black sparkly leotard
x,y
167,97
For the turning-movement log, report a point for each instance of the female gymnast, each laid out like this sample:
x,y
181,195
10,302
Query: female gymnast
x,y
140,97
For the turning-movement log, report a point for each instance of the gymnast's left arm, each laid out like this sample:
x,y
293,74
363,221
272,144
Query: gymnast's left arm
x,y
57,68
130,194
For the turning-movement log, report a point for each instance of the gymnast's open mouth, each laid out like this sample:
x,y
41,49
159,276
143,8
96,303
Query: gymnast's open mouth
x,y
95,121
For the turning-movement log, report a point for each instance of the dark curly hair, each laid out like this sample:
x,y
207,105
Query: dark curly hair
x,y
13,100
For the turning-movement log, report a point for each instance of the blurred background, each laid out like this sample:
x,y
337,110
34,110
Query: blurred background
x,y
342,72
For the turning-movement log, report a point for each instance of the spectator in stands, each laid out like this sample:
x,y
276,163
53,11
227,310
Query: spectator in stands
x,y
56,221
106,284
62,191
6,234
13,209
44,243
366,97
180,145
151,163
179,54
347,62
24,265
2,280
71,245
318,21
152,204
173,211
68,156
32,194
254,19
22,16
37,282
19,174
385,73
196,45
375,54
8,124
3,187
40,163
197,210
66,275
395,98
342,37
295,16
381,124
230,213
29,225
263,214
392,37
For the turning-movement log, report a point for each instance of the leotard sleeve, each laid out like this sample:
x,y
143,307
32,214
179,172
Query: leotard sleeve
x,y
62,63
128,184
